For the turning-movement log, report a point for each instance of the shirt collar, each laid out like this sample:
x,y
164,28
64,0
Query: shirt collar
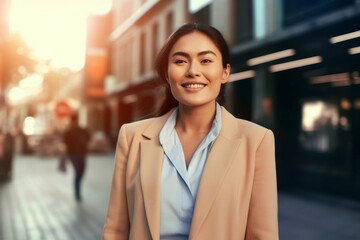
x,y
169,125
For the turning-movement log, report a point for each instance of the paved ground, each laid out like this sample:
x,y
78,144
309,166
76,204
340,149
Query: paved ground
x,y
317,217
38,203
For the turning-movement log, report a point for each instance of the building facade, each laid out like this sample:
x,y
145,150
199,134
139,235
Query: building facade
x,y
4,32
139,29
304,85
97,68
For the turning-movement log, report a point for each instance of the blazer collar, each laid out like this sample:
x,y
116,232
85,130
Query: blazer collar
x,y
153,130
217,165
228,120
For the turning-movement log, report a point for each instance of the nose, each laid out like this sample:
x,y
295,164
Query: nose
x,y
193,70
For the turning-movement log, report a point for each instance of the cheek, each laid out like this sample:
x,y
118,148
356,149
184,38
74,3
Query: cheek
x,y
216,75
171,78
173,74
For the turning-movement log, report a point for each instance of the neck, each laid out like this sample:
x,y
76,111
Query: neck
x,y
197,120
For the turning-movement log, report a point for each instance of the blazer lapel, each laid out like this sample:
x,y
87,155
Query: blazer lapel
x,y
217,165
150,173
151,158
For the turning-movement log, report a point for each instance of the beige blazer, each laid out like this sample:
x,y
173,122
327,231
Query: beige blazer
x,y
237,196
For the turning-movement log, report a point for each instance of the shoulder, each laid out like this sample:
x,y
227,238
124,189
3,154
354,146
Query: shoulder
x,y
256,133
240,128
138,126
149,127
251,127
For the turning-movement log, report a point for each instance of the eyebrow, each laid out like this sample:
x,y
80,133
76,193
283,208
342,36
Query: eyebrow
x,y
184,54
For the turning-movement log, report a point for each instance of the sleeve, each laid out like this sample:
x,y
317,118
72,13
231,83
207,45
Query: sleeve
x,y
263,210
117,219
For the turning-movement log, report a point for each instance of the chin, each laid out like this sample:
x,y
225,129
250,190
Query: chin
x,y
194,104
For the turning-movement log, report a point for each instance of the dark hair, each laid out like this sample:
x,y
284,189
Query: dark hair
x,y
162,59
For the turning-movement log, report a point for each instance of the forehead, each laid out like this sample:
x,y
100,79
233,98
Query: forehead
x,y
193,43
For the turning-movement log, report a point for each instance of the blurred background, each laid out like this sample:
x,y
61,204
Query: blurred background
x,y
295,70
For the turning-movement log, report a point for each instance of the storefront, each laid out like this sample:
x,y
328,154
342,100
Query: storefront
x,y
315,95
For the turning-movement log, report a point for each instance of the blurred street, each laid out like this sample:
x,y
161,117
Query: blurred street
x,y
38,203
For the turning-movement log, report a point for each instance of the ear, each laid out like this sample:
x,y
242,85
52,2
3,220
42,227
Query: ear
x,y
226,73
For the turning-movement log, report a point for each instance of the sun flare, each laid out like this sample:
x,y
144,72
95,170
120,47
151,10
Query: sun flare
x,y
55,30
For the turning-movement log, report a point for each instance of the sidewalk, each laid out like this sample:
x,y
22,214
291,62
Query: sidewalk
x,y
317,217
38,203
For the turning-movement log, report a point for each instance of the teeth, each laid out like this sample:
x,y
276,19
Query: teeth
x,y
194,85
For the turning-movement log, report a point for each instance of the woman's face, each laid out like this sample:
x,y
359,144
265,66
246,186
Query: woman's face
x,y
195,70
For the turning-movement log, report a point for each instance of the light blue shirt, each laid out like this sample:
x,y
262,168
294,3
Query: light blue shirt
x,y
179,186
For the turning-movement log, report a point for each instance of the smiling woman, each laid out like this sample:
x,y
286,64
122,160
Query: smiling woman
x,y
55,30
195,172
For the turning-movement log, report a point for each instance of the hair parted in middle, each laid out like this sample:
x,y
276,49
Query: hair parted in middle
x,y
162,59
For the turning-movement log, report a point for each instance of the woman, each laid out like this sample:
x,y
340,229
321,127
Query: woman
x,y
195,172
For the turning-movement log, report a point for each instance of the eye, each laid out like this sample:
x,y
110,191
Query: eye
x,y
179,61
206,61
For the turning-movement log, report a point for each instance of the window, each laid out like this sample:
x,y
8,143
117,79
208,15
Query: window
x,y
142,53
155,33
169,23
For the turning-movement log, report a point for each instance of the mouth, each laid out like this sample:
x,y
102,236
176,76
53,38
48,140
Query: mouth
x,y
193,85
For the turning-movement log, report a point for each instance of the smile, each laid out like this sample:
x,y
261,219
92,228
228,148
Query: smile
x,y
194,85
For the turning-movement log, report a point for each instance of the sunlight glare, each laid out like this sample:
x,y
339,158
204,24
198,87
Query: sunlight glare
x,y
15,96
56,30
29,126
33,82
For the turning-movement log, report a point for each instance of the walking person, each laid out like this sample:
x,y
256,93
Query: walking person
x,y
7,145
76,139
195,172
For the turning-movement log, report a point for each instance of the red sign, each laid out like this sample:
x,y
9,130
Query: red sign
x,y
63,109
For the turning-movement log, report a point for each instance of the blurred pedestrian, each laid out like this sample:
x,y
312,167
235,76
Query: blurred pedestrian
x,y
196,172
76,139
7,144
